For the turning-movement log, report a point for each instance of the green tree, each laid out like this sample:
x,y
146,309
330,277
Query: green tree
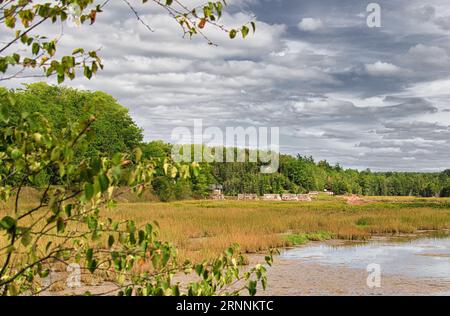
x,y
445,192
33,238
66,225
113,130
156,149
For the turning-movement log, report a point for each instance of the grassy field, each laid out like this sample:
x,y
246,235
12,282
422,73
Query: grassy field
x,y
203,229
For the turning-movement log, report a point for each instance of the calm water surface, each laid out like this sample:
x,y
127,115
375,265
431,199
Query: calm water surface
x,y
422,258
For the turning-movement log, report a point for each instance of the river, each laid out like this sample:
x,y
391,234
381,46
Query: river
x,y
412,267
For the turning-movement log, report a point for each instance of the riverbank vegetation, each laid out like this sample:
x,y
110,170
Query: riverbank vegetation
x,y
203,229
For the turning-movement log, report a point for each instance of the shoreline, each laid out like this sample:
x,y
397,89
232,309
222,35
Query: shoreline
x,y
299,277
295,277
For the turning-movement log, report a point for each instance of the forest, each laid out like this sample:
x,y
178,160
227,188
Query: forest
x,y
115,131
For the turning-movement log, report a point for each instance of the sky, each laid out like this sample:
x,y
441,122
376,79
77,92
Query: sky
x,y
363,97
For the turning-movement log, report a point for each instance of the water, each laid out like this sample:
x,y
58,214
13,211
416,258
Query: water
x,y
421,258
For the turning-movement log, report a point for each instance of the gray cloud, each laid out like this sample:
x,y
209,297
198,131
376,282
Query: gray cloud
x,y
340,91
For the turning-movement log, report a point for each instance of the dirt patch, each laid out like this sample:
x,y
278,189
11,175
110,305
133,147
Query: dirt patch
x,y
354,200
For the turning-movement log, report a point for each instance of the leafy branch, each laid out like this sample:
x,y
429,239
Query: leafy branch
x,y
24,18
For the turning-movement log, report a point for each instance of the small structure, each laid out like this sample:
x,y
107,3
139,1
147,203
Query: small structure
x,y
217,192
289,197
304,197
247,197
328,192
272,197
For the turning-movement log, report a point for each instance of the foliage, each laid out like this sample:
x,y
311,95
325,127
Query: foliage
x,y
302,174
66,226
300,239
45,139
113,130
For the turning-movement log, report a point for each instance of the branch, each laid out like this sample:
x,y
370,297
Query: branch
x,y
24,33
138,16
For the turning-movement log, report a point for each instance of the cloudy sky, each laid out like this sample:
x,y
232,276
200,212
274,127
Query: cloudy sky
x,y
364,97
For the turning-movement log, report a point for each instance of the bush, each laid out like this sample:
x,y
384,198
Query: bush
x,y
164,188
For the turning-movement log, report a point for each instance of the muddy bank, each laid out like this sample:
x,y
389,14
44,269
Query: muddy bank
x,y
409,266
290,277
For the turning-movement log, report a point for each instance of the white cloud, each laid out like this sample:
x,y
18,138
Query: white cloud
x,y
310,24
428,55
429,89
382,69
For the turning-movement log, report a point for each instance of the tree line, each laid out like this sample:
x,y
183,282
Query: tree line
x,y
114,131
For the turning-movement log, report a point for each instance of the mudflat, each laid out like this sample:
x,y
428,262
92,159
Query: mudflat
x,y
291,277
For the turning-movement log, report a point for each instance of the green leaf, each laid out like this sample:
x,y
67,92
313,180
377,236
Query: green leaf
x,y
264,283
16,154
92,222
244,31
233,34
12,100
88,191
60,225
131,227
78,51
104,182
138,154
68,210
26,238
7,223
252,288
35,48
110,241
4,113
89,254
92,265
10,22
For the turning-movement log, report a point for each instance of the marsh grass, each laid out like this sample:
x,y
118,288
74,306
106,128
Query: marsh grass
x,y
203,229
301,239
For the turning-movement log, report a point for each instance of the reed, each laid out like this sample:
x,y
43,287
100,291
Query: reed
x,y
203,229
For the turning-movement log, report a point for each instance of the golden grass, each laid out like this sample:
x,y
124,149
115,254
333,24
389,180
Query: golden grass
x,y
203,229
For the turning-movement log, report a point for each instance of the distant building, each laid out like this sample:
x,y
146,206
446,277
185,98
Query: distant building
x,y
272,197
217,192
304,197
289,197
247,197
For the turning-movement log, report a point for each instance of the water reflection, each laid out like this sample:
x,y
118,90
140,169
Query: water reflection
x,y
424,258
